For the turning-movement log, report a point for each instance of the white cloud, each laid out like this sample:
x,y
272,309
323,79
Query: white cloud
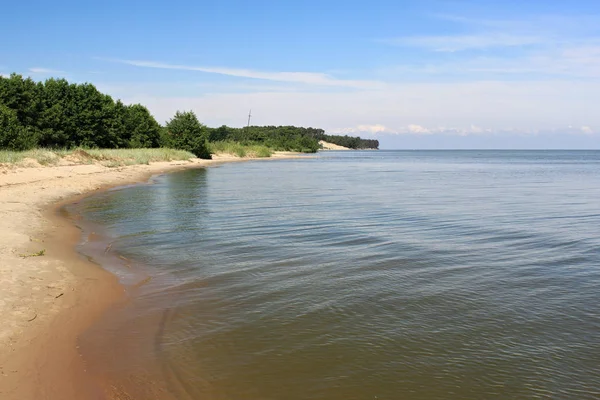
x,y
472,130
473,107
372,128
452,43
476,33
365,130
586,130
410,129
37,70
558,45
565,61
413,128
310,78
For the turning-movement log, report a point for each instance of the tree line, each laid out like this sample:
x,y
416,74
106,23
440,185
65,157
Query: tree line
x,y
351,142
288,137
59,114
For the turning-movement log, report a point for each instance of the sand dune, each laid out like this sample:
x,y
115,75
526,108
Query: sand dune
x,y
332,146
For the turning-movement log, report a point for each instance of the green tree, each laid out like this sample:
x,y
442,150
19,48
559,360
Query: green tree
x,y
140,127
221,133
93,117
14,136
55,121
22,96
185,132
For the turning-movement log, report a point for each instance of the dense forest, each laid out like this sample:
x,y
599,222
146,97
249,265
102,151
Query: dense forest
x,y
288,137
59,114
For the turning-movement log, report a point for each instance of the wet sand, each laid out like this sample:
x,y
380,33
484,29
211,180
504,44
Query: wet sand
x,y
49,293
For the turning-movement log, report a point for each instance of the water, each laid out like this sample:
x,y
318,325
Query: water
x,y
360,275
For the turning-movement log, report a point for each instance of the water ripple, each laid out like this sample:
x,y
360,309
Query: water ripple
x,y
418,275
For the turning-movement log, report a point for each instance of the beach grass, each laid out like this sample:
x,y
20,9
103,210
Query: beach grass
x,y
42,156
107,157
240,150
139,156
122,157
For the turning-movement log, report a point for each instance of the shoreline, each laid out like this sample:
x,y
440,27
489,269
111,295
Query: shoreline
x,y
48,300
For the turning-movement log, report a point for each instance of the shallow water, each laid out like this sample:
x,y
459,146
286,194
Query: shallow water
x,y
358,275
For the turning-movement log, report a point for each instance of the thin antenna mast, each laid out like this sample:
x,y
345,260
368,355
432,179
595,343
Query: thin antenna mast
x,y
249,116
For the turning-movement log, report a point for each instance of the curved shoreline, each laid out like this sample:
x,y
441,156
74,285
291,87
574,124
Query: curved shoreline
x,y
48,300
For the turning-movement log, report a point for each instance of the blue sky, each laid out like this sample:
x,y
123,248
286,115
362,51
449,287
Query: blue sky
x,y
415,74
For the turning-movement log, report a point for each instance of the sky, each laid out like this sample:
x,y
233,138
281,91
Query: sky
x,y
413,74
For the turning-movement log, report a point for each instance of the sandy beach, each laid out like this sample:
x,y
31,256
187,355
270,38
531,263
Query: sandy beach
x,y
50,294
331,146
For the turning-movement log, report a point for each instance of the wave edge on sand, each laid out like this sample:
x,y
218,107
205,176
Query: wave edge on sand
x,y
49,293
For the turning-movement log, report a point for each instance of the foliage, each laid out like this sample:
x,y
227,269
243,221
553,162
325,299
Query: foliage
x,y
240,150
185,132
139,127
261,151
350,142
56,114
283,138
287,138
12,134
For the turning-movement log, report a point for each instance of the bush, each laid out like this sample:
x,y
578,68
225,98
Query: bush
x,y
185,132
262,152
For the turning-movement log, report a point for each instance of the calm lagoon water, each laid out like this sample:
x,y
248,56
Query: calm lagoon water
x,y
358,275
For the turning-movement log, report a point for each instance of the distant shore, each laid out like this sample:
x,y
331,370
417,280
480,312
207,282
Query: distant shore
x,y
50,294
332,146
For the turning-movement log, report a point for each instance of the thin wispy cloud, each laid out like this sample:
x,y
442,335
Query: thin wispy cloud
x,y
308,78
472,130
413,129
544,25
563,47
570,62
38,70
450,43
472,33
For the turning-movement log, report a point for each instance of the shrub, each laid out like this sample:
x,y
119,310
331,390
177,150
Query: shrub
x,y
185,132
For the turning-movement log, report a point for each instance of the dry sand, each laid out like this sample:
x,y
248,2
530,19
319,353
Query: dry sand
x,y
47,300
332,146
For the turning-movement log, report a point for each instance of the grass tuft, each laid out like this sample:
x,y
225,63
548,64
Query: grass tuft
x,y
107,157
41,156
120,157
36,254
240,150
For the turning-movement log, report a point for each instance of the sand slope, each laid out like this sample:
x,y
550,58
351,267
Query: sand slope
x,y
332,146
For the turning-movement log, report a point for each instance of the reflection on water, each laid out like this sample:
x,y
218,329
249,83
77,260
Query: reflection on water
x,y
360,275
